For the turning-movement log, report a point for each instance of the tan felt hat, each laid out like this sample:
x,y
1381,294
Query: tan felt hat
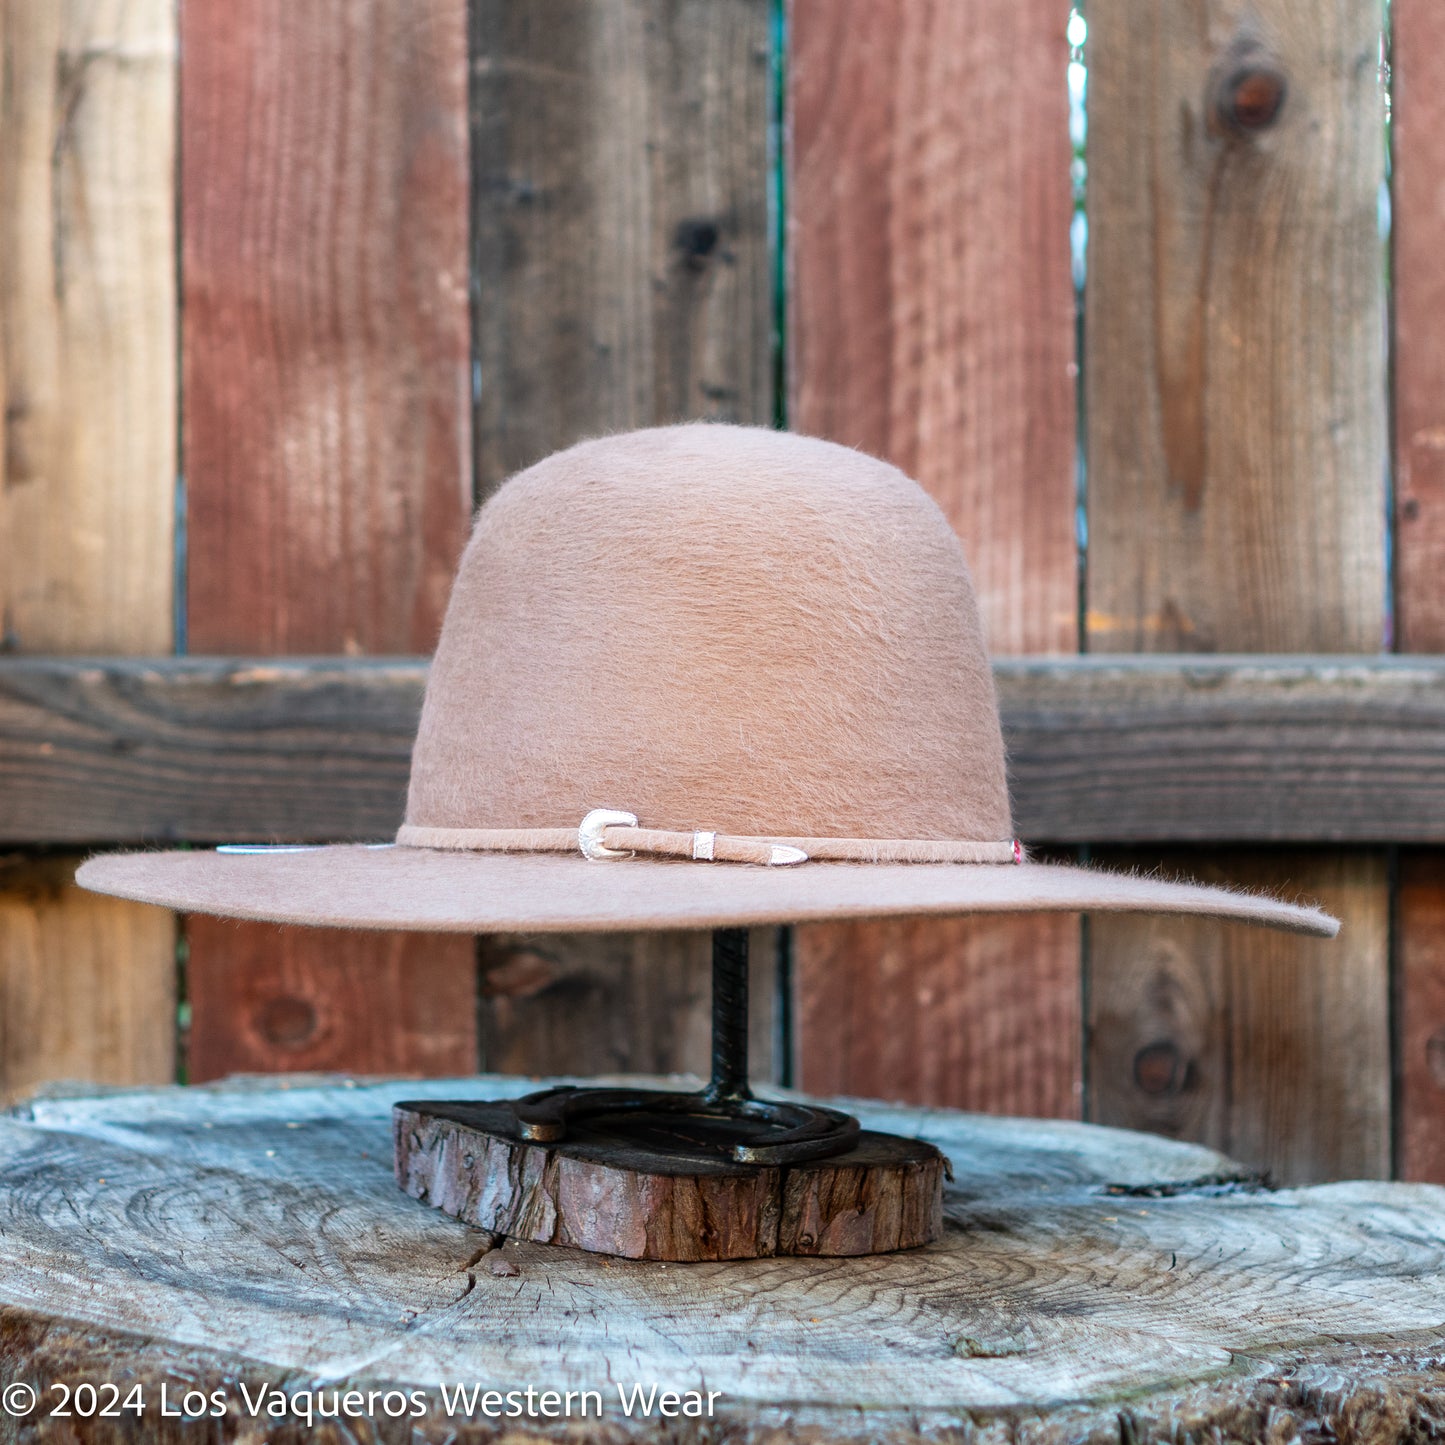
x,y
698,676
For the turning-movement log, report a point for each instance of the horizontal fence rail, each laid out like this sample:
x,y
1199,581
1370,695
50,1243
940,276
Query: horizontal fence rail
x,y
1228,748
1102,749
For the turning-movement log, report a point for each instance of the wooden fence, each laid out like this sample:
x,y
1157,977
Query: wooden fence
x,y
286,288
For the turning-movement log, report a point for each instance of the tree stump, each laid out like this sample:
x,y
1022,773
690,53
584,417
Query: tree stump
x,y
244,1249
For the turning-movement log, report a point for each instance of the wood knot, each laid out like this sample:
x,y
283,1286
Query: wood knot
x,y
287,1022
522,973
697,239
1250,97
1161,1069
1435,1056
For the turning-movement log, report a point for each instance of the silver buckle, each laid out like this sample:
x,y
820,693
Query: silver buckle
x,y
589,834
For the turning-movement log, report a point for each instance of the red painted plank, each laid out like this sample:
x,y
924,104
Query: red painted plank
x,y
325,333
1418,214
1420,1017
932,322
326,434
1418,183
977,1013
302,999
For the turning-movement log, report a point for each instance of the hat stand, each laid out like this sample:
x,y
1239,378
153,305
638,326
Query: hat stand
x,y
671,1175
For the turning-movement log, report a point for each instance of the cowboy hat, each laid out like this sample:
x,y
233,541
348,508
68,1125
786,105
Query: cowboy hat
x,y
693,677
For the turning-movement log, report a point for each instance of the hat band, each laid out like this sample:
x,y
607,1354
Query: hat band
x,y
606,834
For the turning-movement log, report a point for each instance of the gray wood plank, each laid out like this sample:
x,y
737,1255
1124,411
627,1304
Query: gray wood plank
x,y
622,266
211,749
1246,748
622,254
1101,749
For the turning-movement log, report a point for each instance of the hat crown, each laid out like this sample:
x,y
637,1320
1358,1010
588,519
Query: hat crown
x,y
713,627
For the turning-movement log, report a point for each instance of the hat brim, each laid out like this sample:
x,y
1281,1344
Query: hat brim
x,y
392,887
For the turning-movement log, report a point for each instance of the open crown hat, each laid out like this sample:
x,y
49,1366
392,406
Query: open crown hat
x,y
699,676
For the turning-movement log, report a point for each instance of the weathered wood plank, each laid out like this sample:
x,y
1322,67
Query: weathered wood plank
x,y
210,749
931,305
970,1012
301,998
1108,749
327,378
546,999
1085,1276
624,271
1417,182
327,439
1420,1018
1208,1033
1236,456
624,275
1236,422
87,476
1418,277
88,986
931,321
1305,749
88,346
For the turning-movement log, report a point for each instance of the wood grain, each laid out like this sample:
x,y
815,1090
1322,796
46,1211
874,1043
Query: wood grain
x,y
624,275
110,750
1418,278
956,1012
465,1159
1417,183
1236,421
1213,1033
1420,1016
265,998
88,346
623,263
594,1004
1103,749
327,440
1089,1285
931,322
1285,749
931,307
1236,450
88,987
87,477
324,264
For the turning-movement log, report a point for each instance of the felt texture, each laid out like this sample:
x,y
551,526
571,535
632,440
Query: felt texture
x,y
680,845
714,628
351,885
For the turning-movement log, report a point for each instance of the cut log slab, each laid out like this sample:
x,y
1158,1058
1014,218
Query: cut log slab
x,y
601,1193
1090,1284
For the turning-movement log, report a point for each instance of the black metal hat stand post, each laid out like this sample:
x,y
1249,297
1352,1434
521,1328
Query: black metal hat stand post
x,y
554,1165
724,1118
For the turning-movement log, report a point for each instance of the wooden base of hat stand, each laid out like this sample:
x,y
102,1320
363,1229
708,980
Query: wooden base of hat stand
x,y
648,1174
